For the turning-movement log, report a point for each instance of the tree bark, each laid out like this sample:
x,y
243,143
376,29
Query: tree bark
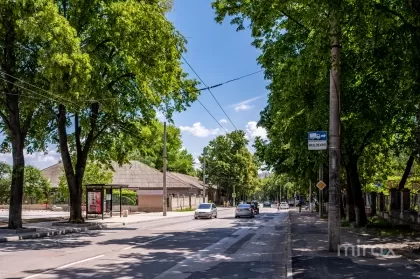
x,y
74,176
74,184
359,205
11,119
350,216
406,172
334,218
16,191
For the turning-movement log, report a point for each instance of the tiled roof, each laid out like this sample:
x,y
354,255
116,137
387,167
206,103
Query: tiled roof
x,y
135,175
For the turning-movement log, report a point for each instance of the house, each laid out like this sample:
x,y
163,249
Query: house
x,y
148,184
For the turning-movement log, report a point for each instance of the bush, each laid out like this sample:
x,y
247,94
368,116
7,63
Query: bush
x,y
129,197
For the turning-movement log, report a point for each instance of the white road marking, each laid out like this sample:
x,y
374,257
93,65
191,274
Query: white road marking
x,y
193,228
64,266
147,242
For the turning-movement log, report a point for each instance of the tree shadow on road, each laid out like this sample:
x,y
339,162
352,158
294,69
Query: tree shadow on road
x,y
146,256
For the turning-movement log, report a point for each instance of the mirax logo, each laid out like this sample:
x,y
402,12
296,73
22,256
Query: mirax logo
x,y
363,250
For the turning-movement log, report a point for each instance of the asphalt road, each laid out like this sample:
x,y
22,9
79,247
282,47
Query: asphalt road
x,y
179,248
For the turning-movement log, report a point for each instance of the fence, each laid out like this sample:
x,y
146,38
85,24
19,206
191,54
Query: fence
x,y
181,202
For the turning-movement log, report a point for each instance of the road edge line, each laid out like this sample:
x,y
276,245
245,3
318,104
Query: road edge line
x,y
289,270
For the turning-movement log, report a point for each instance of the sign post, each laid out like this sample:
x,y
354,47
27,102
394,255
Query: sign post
x,y
317,140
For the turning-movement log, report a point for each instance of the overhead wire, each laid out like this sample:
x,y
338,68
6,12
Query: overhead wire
x,y
209,87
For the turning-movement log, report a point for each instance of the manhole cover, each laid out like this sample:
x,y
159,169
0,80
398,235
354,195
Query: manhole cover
x,y
262,270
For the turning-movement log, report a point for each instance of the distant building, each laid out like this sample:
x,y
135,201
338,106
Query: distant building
x,y
146,181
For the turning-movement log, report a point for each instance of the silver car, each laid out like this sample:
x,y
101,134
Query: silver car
x,y
206,210
244,210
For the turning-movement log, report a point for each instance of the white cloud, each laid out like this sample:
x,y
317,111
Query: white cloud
x,y
223,121
244,105
252,131
40,160
160,116
199,131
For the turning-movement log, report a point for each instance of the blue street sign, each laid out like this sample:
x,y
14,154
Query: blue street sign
x,y
317,135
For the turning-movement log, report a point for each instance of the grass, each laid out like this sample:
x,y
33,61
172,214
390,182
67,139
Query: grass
x,y
185,209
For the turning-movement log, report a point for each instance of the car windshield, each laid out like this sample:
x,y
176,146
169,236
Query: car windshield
x,y
204,206
244,205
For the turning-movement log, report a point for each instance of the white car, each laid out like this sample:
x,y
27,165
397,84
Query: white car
x,y
284,205
206,210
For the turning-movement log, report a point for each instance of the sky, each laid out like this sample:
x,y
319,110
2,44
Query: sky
x,y
218,53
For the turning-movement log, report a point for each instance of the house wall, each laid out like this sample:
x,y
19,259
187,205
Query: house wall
x,y
180,202
150,203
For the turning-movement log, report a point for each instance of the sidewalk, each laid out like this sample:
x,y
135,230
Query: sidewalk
x,y
45,229
359,256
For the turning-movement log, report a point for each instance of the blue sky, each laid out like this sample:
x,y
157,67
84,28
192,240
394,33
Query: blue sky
x,y
217,53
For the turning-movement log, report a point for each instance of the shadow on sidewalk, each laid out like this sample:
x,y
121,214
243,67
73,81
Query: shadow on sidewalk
x,y
311,259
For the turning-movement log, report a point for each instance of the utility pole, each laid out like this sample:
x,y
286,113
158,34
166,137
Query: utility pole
x,y
204,178
334,218
165,193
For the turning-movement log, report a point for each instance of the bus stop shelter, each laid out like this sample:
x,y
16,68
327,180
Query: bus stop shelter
x,y
99,198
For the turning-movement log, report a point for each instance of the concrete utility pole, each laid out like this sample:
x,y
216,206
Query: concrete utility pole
x,y
334,218
165,193
204,178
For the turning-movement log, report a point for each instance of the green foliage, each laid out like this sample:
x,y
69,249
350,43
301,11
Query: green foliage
x,y
95,173
5,180
150,151
36,187
128,197
229,164
378,99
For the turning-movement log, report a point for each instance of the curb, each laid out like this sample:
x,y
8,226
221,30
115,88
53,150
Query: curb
x,y
75,230
84,229
289,271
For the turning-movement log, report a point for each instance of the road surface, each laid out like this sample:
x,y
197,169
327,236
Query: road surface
x,y
179,248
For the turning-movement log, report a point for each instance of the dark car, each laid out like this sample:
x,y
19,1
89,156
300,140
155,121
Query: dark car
x,y
266,204
254,206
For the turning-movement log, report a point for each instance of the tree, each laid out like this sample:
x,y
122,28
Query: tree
x,y
230,165
35,42
36,186
5,179
95,173
135,56
150,151
294,39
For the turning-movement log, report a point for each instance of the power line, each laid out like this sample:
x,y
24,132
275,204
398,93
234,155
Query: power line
x,y
207,87
226,82
192,69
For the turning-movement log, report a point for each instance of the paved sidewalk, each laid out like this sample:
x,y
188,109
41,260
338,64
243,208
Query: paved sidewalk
x,y
45,229
311,259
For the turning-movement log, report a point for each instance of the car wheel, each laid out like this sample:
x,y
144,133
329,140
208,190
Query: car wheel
x,y
215,216
195,218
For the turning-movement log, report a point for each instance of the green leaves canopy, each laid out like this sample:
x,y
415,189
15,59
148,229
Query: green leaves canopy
x,y
229,163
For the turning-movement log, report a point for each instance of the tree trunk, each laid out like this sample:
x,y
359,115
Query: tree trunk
x,y
342,211
350,216
11,118
406,172
359,205
334,218
72,177
16,191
